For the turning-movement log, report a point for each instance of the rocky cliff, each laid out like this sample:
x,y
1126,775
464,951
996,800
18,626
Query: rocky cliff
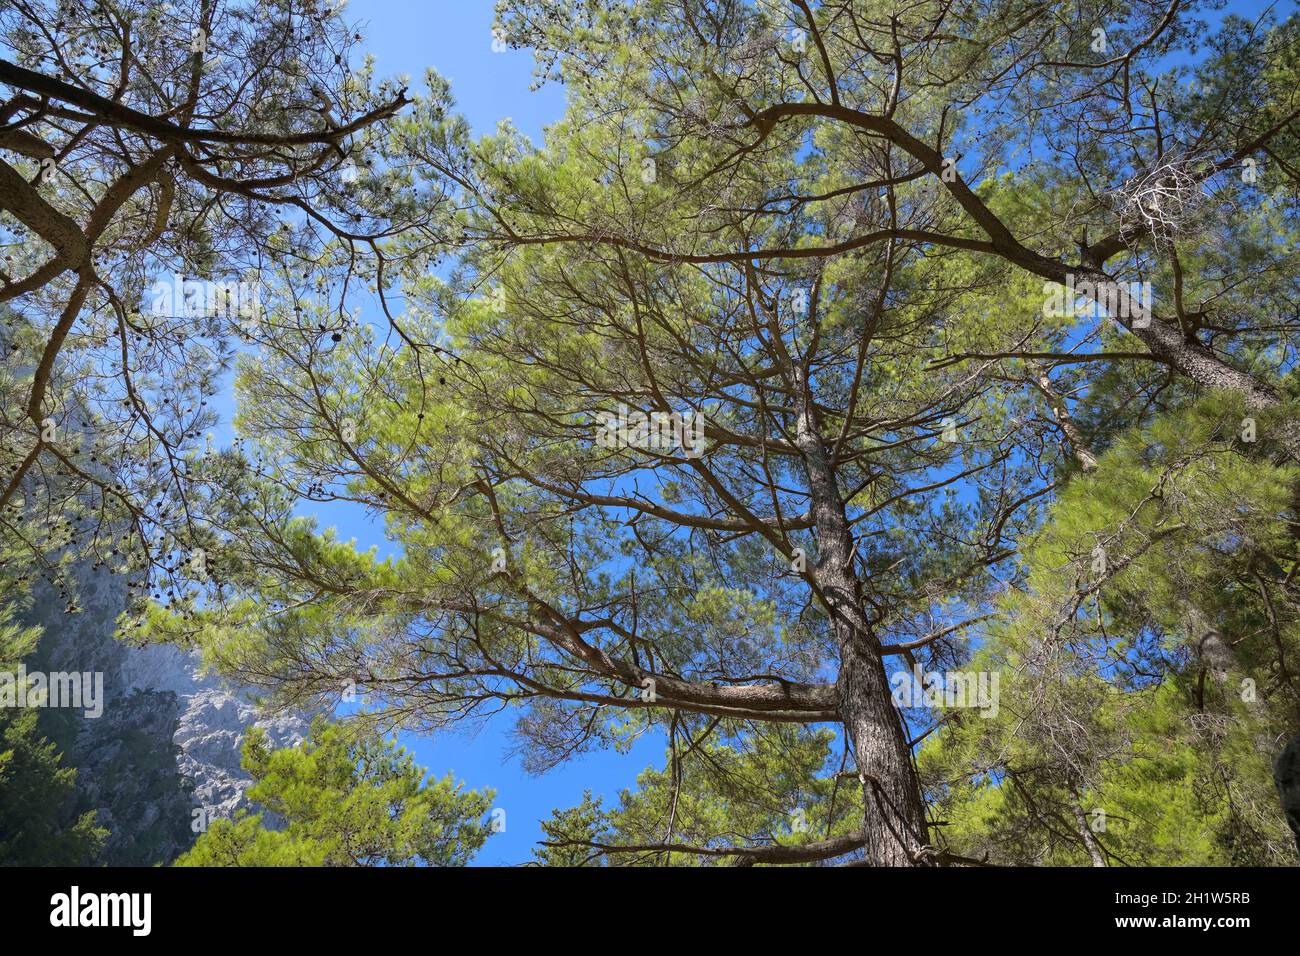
x,y
168,741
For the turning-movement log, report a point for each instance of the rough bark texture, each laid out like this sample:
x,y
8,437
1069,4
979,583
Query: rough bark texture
x,y
894,821
1187,355
894,811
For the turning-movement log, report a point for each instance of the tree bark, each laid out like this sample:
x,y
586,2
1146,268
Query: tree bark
x,y
894,810
1086,835
1079,448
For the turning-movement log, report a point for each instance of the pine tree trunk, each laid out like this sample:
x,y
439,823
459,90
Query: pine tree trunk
x,y
1199,363
1086,835
894,811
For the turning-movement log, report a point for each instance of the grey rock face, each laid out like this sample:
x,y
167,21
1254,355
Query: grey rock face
x,y
211,721
127,771
168,742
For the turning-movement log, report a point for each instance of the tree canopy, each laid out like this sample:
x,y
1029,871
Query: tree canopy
x,y
820,352
339,801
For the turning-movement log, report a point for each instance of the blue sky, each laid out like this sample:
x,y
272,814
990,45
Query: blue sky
x,y
455,38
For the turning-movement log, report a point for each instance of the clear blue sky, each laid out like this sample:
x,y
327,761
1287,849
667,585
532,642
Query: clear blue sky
x,y
455,38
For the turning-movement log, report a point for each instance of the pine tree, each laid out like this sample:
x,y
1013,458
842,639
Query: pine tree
x,y
343,800
39,825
